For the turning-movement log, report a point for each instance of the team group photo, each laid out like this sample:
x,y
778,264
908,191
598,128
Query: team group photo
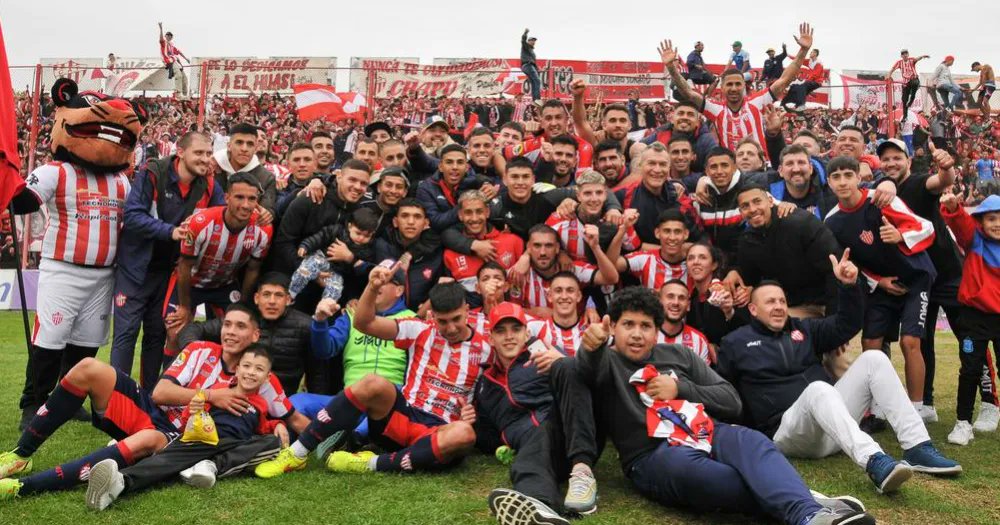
x,y
701,265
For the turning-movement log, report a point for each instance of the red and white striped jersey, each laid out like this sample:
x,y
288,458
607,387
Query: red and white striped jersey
x,y
570,233
907,67
280,172
168,51
200,366
220,252
747,122
652,271
536,288
165,147
439,375
689,337
567,339
86,212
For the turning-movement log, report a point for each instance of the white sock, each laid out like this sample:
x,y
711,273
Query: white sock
x,y
300,451
917,405
372,462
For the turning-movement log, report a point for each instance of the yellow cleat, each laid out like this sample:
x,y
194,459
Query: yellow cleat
x,y
285,462
9,488
11,463
341,461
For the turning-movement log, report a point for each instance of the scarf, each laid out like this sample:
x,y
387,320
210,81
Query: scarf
x,y
680,422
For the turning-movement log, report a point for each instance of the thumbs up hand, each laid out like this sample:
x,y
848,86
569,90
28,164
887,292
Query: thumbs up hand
x,y
596,335
889,233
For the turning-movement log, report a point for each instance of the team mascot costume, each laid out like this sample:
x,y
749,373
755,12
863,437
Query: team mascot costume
x,y
83,191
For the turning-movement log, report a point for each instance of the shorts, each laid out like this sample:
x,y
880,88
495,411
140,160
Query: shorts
x,y
885,312
215,299
403,426
74,305
986,92
131,410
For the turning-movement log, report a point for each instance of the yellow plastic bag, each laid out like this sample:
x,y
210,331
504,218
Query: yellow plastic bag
x,y
200,426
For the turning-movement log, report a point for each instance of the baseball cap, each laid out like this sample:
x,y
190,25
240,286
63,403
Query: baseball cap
x,y
737,43
434,120
904,52
532,38
770,50
991,204
892,143
949,57
394,171
375,126
507,310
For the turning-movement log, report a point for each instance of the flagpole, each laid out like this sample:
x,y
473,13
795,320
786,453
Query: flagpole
x,y
20,279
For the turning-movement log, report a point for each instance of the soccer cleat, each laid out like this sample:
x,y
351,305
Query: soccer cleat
x,y
886,473
11,463
838,503
9,488
336,441
581,495
105,484
988,418
201,475
929,460
504,454
928,413
513,508
348,462
961,434
828,517
285,462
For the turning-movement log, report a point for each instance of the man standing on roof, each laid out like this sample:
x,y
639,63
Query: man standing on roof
x,y
529,64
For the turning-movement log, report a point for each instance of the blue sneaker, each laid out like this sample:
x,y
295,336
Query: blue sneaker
x,y
886,473
929,460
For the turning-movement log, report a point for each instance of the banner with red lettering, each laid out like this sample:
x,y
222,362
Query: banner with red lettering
x,y
129,77
361,65
244,76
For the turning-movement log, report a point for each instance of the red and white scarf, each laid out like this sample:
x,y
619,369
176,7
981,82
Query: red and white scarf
x,y
680,422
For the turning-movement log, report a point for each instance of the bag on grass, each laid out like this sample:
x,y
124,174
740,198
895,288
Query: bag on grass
x,y
200,426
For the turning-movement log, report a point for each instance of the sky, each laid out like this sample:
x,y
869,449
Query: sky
x,y
851,34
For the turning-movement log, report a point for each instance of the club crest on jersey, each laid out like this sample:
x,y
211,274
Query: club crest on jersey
x,y
235,296
427,273
57,318
867,237
199,218
120,300
323,416
798,336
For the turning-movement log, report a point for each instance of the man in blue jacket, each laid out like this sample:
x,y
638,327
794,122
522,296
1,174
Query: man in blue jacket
x,y
439,193
775,363
166,193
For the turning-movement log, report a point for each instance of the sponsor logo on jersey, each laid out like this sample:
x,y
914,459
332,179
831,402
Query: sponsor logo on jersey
x,y
235,296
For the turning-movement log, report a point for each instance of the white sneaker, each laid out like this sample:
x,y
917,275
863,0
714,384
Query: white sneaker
x,y
201,475
104,485
928,413
988,418
961,434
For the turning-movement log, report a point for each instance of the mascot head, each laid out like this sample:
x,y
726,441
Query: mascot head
x,y
94,130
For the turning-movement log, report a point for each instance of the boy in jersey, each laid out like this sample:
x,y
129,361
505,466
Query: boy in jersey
x,y
142,423
565,327
654,267
659,405
427,422
504,247
237,443
222,240
534,401
675,296
889,245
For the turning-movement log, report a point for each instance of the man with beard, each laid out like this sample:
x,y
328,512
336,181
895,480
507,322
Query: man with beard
x,y
686,119
163,196
564,328
434,135
239,157
554,122
739,116
556,161
474,214
654,267
483,159
322,144
367,152
922,193
440,192
392,186
615,121
302,162
651,195
609,162
797,184
675,296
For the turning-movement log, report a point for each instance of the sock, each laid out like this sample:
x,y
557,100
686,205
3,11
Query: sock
x,y
421,455
341,414
299,450
69,475
917,405
62,404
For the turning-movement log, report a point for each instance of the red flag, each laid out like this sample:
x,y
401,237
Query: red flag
x,y
319,101
471,125
11,182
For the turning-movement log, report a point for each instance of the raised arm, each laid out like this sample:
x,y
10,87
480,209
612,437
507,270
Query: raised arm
x,y
608,273
945,177
805,41
668,55
364,315
580,122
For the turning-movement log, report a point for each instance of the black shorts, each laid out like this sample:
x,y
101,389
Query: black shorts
x,y
886,313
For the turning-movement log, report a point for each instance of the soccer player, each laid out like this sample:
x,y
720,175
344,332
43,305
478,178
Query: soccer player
x,y
740,116
911,83
565,327
889,245
660,404
675,296
426,423
591,193
655,267
554,122
474,215
222,240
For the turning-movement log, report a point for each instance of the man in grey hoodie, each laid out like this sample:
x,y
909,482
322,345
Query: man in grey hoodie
x,y
239,157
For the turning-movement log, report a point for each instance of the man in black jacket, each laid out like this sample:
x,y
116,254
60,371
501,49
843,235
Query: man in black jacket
x,y
529,64
411,241
775,363
659,404
284,330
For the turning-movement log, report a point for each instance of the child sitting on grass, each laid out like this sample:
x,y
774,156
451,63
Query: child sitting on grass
x,y
244,438
979,294
356,236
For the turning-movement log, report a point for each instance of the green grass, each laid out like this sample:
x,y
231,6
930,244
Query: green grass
x,y
316,496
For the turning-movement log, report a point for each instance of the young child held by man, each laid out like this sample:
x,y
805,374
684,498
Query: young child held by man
x,y
357,237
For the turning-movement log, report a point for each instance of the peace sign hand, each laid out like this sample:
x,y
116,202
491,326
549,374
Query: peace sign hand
x,y
844,270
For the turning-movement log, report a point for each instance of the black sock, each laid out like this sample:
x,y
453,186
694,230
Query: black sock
x,y
69,475
45,372
342,413
420,456
65,400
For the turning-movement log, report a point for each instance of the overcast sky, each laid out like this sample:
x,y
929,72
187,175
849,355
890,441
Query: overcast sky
x,y
852,34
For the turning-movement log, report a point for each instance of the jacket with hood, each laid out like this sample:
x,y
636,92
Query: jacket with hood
x,y
265,178
440,202
771,369
721,217
426,267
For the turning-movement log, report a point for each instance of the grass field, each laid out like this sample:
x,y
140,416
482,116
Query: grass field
x,y
316,496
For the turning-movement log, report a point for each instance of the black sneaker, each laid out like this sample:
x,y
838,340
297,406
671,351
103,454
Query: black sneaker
x,y
513,508
872,425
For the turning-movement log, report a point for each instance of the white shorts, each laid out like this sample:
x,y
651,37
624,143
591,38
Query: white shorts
x,y
73,306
